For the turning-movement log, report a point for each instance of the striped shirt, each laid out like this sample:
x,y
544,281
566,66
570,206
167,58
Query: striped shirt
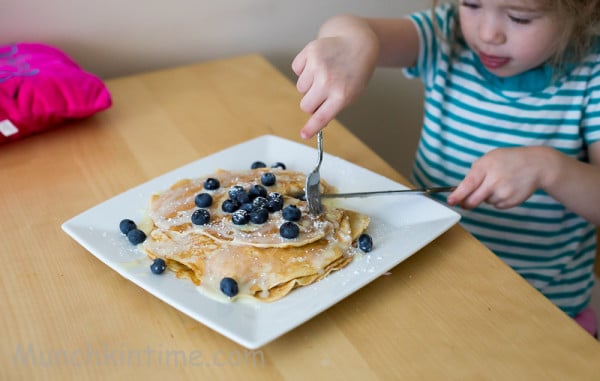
x,y
469,111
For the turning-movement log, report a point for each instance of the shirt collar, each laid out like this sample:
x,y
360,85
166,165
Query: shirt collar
x,y
533,80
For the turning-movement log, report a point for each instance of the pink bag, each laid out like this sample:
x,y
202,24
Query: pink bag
x,y
41,87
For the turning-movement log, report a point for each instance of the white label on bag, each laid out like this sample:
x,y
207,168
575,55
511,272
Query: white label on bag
x,y
7,128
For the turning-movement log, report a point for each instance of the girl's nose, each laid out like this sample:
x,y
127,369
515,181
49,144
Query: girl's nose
x,y
491,32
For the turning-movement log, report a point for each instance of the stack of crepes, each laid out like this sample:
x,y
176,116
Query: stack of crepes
x,y
265,265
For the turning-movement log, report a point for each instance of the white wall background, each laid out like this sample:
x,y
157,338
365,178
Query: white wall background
x,y
119,37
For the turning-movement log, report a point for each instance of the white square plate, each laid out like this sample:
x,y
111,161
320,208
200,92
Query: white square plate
x,y
400,226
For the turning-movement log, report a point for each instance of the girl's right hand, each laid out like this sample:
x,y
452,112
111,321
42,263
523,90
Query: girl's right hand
x,y
333,70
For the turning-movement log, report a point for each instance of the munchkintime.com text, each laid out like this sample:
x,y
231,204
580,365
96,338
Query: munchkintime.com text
x,y
120,355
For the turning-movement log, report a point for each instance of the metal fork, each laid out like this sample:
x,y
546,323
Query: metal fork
x,y
313,180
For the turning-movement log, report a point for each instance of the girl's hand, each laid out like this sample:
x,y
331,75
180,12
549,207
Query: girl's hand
x,y
333,70
504,177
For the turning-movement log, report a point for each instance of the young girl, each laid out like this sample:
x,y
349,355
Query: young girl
x,y
512,115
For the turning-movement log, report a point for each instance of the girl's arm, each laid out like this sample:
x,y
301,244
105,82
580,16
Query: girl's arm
x,y
575,184
334,69
398,41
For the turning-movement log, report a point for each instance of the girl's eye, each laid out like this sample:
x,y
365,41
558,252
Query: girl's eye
x,y
519,20
469,4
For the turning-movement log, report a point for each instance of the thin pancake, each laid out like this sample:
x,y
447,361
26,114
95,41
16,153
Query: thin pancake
x,y
172,210
264,268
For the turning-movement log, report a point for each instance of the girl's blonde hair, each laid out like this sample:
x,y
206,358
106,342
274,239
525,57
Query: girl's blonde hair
x,y
580,28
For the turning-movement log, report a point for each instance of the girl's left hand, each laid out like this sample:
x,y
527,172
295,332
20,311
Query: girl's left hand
x,y
504,177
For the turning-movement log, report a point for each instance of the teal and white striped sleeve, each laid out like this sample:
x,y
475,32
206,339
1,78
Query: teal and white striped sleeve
x,y
429,40
591,118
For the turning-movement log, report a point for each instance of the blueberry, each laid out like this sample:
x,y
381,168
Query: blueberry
x,y
229,287
158,266
126,225
247,206
200,217
365,242
233,191
230,206
240,217
242,197
260,202
291,213
136,236
257,191
275,202
267,179
258,164
278,165
289,230
211,183
259,216
203,200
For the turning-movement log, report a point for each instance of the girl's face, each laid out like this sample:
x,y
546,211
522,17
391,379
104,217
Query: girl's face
x,y
509,36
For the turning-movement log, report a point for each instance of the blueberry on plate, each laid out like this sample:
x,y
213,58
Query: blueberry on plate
x,y
230,206
279,165
267,179
136,236
260,202
289,230
229,287
233,191
239,194
257,190
247,206
259,215
126,225
211,183
365,242
291,213
158,266
275,202
240,217
242,197
200,217
258,164
203,200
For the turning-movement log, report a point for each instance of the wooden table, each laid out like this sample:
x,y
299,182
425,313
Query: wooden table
x,y
451,311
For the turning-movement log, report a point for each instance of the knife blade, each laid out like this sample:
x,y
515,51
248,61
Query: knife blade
x,y
426,190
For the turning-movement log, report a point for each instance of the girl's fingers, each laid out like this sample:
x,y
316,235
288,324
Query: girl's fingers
x,y
320,118
475,198
468,191
462,191
299,62
305,82
312,100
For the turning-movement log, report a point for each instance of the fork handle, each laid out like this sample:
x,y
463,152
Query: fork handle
x,y
320,148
